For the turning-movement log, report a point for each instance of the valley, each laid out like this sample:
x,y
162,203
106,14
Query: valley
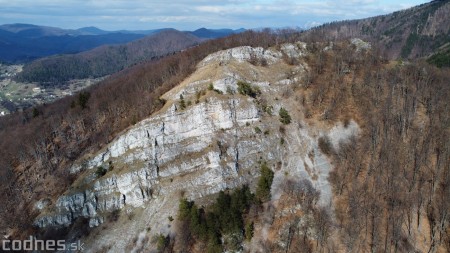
x,y
17,96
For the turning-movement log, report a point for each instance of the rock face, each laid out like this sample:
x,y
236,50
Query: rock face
x,y
201,142
168,145
243,54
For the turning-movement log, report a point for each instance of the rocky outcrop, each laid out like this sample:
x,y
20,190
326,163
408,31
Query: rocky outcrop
x,y
156,149
242,54
216,141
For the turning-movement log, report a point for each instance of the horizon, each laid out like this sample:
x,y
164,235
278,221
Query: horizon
x,y
161,28
114,15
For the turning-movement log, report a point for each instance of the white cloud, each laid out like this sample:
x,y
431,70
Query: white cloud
x,y
182,14
211,9
165,19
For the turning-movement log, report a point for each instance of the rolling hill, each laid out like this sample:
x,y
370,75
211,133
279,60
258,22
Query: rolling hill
x,y
24,43
215,33
105,60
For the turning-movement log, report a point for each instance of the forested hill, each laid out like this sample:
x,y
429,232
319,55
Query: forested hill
x,y
30,45
105,60
214,33
412,33
390,184
23,43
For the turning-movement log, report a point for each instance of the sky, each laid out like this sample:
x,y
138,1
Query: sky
x,y
193,14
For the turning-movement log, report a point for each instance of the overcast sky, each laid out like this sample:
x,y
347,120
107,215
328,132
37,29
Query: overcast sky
x,y
193,14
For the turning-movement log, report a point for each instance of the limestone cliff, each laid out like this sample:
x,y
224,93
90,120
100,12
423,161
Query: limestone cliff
x,y
207,138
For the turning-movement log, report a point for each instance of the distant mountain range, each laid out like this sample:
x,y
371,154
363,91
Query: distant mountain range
x,y
215,33
25,46
21,43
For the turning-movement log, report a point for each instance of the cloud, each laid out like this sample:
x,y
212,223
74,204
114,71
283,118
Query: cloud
x,y
181,14
165,19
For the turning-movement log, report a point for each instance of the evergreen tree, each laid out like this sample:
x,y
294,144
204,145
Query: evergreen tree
x,y
264,183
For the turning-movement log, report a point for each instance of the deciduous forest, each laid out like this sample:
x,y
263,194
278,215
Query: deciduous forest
x,y
391,184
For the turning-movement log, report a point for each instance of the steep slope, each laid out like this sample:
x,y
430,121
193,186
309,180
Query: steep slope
x,y
210,145
441,56
105,60
114,104
411,33
370,134
350,165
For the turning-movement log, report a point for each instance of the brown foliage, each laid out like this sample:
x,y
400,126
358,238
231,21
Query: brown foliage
x,y
410,33
397,171
36,152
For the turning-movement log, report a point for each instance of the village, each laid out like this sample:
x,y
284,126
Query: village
x,y
17,96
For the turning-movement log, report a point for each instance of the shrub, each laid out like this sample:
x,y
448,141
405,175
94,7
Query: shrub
x,y
83,98
100,172
182,103
162,101
198,95
184,208
258,130
268,109
285,118
211,87
248,90
162,241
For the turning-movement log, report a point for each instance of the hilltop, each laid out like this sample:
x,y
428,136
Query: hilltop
x,y
409,34
256,142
